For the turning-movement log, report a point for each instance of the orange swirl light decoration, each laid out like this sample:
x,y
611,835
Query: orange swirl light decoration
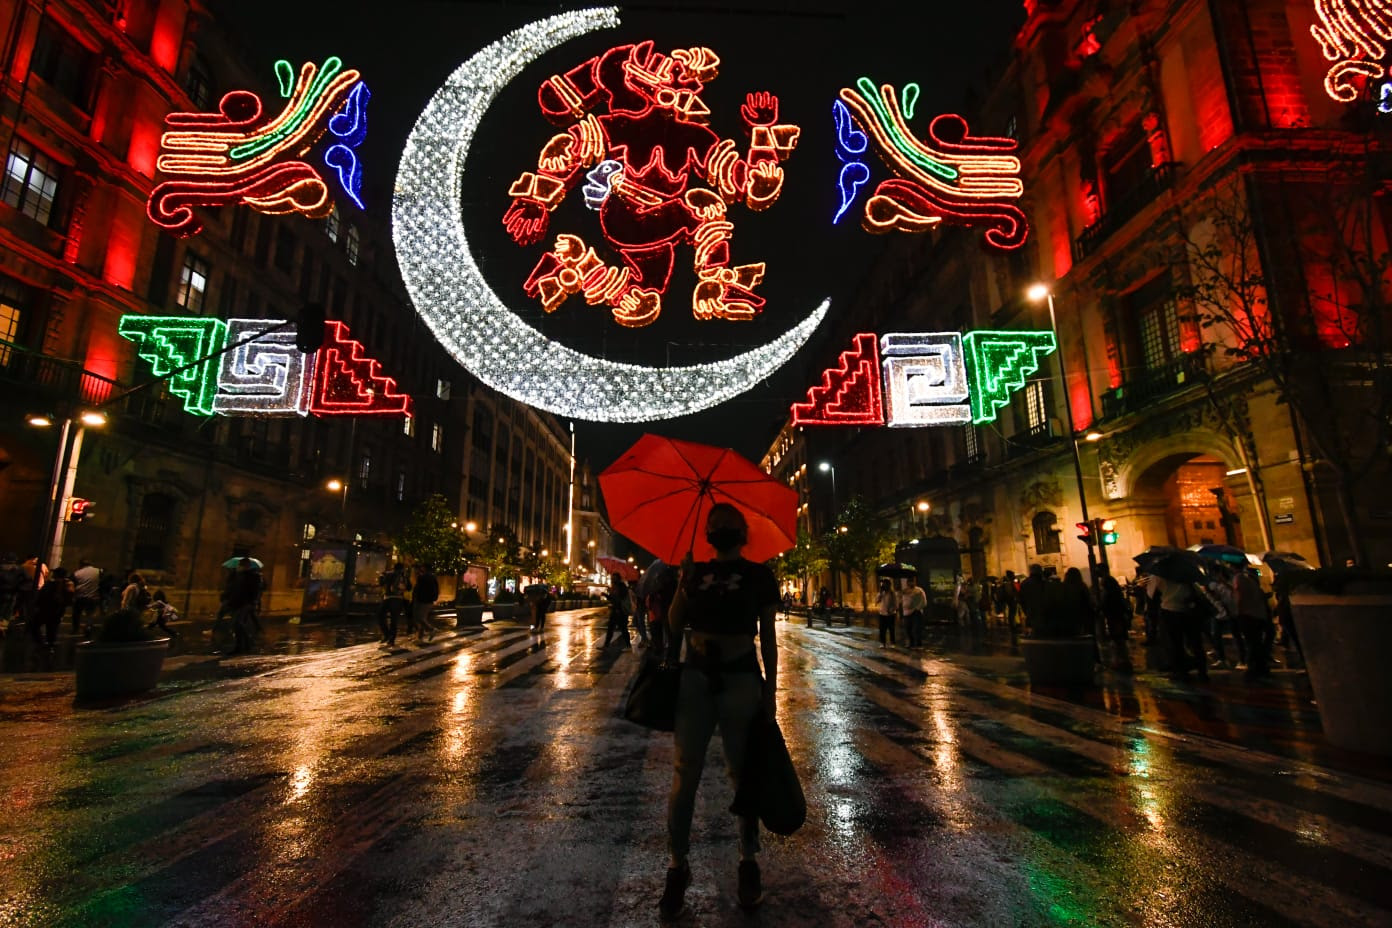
x,y
951,176
1354,35
232,156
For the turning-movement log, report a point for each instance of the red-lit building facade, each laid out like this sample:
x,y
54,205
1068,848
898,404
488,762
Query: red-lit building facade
x,y
83,93
1173,153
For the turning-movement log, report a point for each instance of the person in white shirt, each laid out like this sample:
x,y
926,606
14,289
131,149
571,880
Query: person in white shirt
x,y
912,603
1181,626
87,580
889,612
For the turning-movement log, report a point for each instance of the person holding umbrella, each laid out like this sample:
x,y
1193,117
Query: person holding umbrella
x,y
1172,580
724,603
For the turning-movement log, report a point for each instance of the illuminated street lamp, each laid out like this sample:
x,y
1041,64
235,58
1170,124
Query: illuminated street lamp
x,y
471,526
64,475
335,485
1036,293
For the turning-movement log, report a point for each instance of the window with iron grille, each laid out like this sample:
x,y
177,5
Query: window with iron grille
x,y
1036,413
972,442
1160,337
437,437
13,300
400,485
31,182
152,534
408,426
198,85
365,468
352,243
332,223
63,63
442,389
1046,535
193,283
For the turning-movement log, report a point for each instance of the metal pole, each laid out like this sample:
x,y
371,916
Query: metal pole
x,y
1073,438
60,527
60,463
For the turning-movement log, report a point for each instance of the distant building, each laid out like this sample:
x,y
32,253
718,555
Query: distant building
x,y
84,90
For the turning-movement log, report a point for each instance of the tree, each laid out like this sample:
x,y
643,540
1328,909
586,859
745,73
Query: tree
x,y
1308,311
432,537
502,552
860,541
804,559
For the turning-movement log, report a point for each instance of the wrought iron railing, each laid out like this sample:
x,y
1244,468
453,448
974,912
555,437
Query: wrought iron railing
x,y
45,379
1155,382
1122,208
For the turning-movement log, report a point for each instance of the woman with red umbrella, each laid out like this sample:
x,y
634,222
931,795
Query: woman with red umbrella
x,y
723,602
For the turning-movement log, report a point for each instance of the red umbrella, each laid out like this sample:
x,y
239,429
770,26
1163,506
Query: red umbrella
x,y
616,566
659,492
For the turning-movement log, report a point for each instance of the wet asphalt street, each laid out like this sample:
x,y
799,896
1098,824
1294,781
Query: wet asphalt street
x,y
486,780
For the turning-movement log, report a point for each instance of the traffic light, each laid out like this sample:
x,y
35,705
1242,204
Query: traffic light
x,y
79,509
1108,531
309,328
1085,533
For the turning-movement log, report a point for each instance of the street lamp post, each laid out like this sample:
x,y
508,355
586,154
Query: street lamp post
x,y
827,467
341,487
65,464
1036,293
922,507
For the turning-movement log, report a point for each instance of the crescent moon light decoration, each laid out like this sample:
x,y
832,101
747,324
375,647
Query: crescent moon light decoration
x,y
473,323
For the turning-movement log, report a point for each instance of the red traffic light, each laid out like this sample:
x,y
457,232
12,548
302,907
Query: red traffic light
x,y
79,509
1085,533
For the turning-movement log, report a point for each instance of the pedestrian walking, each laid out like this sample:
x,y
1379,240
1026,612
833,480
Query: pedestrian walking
x,y
423,599
87,592
888,606
620,599
912,604
243,592
540,601
661,591
724,603
1008,602
1033,600
1253,622
50,605
1116,618
1180,625
394,583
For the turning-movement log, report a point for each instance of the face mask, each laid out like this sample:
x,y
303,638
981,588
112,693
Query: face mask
x,y
723,539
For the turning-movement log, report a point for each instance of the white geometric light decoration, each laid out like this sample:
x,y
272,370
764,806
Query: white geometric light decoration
x,y
473,323
266,377
925,379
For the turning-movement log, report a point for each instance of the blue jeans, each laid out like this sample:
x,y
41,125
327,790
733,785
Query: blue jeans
x,y
732,704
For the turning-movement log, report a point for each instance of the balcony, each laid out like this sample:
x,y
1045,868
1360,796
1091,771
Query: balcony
x,y
49,381
1154,383
1122,208
1027,441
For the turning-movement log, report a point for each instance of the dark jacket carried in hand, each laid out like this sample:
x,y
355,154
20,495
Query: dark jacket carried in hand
x,y
769,788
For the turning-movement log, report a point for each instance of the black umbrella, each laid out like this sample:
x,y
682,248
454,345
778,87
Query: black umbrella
x,y
1179,567
1152,554
897,570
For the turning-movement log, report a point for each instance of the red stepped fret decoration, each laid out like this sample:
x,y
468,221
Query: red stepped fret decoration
x,y
849,393
348,384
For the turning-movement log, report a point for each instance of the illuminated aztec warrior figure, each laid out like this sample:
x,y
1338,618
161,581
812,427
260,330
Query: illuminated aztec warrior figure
x,y
638,161
237,156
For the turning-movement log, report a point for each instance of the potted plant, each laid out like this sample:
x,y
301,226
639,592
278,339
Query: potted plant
x,y
508,605
1059,651
468,607
124,658
1343,616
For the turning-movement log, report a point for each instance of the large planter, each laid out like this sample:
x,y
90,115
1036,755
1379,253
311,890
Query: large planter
x,y
118,669
509,611
468,616
1060,661
1346,639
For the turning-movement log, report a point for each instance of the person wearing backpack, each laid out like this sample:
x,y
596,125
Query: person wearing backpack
x,y
427,593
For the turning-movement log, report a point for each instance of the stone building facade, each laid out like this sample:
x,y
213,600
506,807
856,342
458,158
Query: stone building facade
x,y
83,93
1142,127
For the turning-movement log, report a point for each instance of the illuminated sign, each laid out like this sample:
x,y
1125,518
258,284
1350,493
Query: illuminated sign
x,y
478,328
642,158
242,368
951,176
1353,34
239,155
927,378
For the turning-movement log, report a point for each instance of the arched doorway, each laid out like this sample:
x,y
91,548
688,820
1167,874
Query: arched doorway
x,y
1188,499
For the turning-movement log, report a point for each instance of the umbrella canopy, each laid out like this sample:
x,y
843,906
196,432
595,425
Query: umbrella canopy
x,y
1282,561
1154,553
623,568
1181,567
659,493
897,570
234,562
1225,553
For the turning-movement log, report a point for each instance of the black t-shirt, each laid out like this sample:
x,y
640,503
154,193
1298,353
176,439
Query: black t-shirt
x,y
726,597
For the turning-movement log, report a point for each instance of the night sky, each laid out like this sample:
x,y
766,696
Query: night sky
x,y
801,50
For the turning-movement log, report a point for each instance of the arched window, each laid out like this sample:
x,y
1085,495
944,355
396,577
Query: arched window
x,y
1046,536
153,532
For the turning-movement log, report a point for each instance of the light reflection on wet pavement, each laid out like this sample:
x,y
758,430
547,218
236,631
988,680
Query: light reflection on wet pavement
x,y
486,779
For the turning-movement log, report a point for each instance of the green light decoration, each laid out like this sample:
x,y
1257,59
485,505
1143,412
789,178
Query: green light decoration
x,y
285,76
303,107
906,146
998,364
908,98
170,342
